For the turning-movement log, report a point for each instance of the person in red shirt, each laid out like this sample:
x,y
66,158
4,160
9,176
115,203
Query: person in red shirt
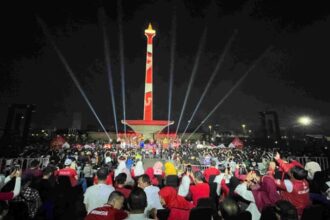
x,y
67,171
212,170
285,167
120,185
179,207
111,210
295,190
200,189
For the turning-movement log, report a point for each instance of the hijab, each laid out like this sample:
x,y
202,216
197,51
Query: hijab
x,y
120,168
138,169
173,200
170,169
150,172
266,194
158,168
129,179
184,186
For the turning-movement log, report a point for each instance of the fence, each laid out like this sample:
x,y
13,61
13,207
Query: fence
x,y
322,161
8,164
24,163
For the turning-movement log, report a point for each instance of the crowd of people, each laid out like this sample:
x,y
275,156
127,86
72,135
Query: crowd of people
x,y
186,182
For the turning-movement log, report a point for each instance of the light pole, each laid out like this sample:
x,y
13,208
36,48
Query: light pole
x,y
244,126
210,133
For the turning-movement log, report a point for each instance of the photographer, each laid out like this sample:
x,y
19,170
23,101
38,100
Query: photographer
x,y
211,171
240,171
185,182
200,189
260,191
4,196
222,180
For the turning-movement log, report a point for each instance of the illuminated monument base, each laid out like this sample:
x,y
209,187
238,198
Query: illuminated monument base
x,y
147,128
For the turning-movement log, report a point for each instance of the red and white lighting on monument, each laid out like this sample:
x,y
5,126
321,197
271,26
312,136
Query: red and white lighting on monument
x,y
148,126
148,99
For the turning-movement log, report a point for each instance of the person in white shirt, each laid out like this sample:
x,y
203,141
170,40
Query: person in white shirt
x,y
151,192
107,157
242,190
97,195
120,168
138,169
185,182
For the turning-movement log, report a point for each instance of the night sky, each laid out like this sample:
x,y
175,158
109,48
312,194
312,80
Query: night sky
x,y
292,79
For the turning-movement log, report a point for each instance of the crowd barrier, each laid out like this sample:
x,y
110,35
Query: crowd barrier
x,y
23,163
322,161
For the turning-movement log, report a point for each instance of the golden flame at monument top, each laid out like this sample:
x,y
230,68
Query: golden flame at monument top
x,y
149,30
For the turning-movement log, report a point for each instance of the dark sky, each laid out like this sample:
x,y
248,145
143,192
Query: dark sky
x,y
292,79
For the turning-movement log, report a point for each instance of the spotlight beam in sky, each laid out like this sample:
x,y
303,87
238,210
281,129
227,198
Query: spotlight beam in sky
x,y
208,85
102,19
192,78
230,91
72,75
172,62
122,60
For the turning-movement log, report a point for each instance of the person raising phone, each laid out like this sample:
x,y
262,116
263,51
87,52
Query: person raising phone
x,y
5,196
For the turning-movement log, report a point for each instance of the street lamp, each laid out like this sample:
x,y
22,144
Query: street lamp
x,y
244,126
304,120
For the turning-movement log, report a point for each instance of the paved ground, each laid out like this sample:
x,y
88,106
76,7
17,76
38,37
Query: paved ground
x,y
149,162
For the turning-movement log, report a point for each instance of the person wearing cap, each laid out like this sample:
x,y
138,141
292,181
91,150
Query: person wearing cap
x,y
68,171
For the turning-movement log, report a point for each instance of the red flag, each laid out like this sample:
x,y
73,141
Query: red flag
x,y
238,143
